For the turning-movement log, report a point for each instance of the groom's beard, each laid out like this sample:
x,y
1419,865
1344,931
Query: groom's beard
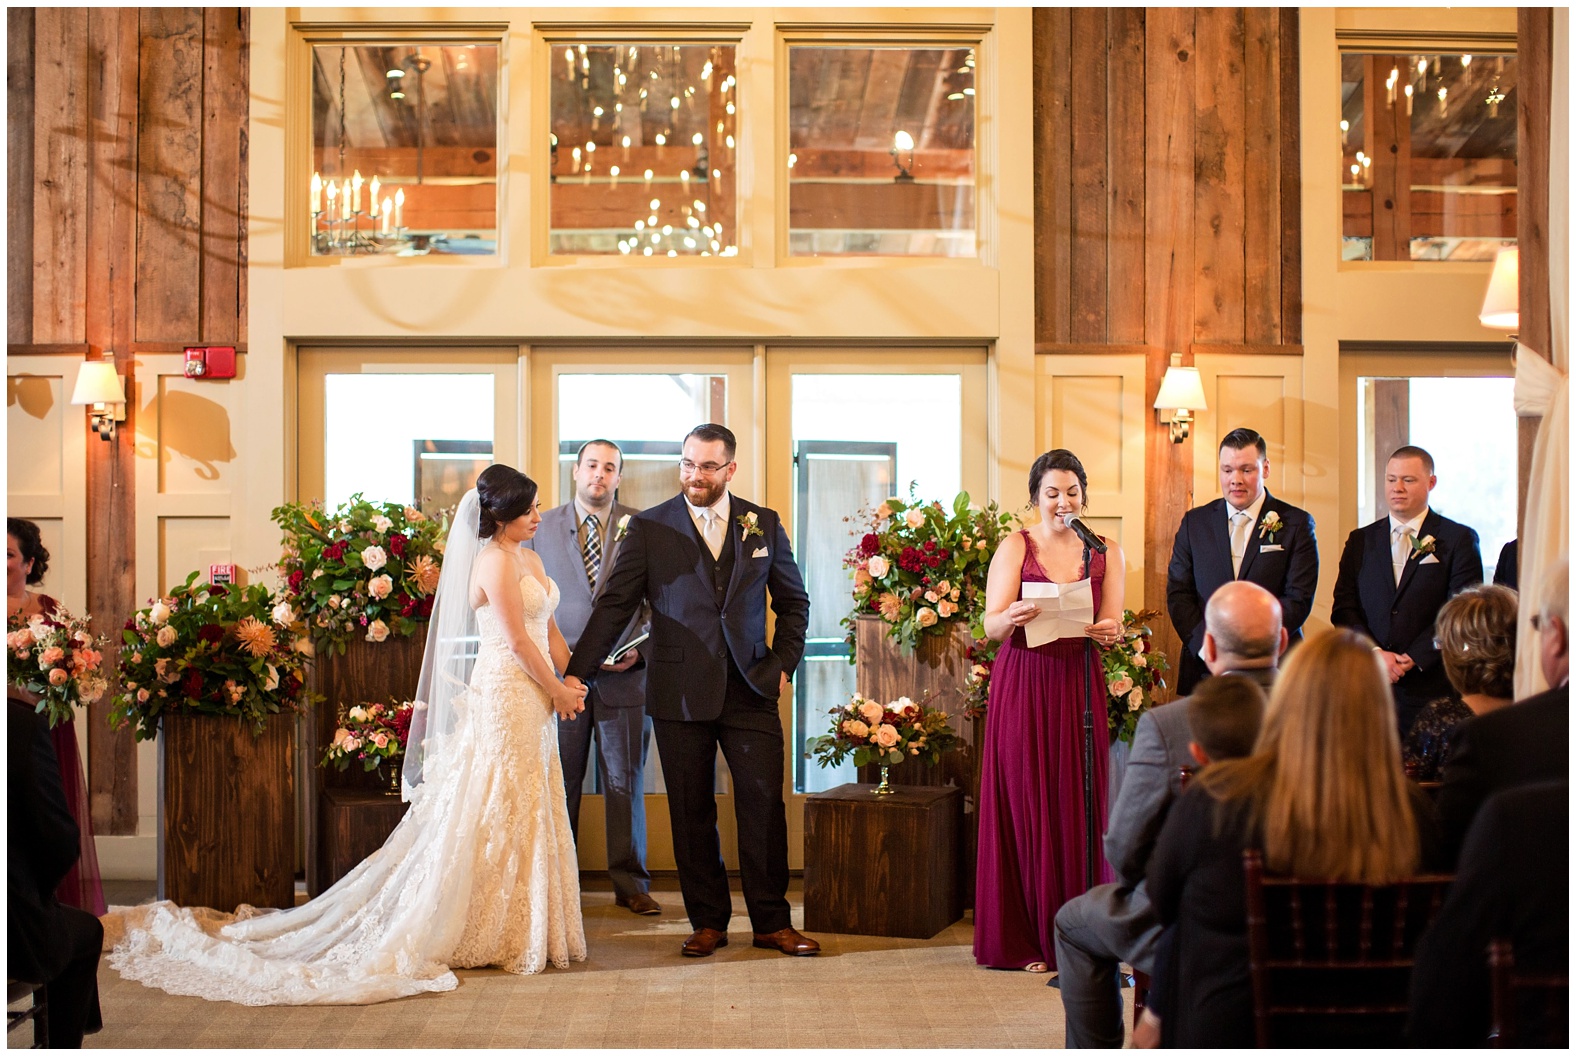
x,y
701,493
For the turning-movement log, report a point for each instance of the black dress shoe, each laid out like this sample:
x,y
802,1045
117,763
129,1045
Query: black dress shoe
x,y
640,903
704,942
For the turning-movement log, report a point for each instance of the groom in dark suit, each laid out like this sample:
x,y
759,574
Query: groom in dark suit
x,y
1398,572
1247,534
705,560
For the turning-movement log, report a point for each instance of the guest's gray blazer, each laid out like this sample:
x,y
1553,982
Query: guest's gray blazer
x,y
557,542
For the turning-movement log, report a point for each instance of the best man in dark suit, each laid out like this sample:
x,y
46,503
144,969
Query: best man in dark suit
x,y
1526,742
578,543
1247,534
1398,572
1114,923
705,561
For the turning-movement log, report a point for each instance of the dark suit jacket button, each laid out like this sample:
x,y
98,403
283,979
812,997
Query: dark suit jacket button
x,y
722,654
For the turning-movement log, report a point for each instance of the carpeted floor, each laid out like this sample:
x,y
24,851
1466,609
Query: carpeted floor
x,y
636,992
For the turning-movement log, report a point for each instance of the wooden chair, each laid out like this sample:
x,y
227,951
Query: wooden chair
x,y
1140,980
1513,995
37,1011
1331,963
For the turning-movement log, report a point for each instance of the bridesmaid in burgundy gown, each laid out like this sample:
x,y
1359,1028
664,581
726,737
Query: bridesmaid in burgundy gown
x,y
1032,851
26,560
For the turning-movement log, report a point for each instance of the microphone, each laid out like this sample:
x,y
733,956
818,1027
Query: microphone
x,y
1081,529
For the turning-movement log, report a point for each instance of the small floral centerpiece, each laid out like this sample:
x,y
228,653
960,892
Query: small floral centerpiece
x,y
887,734
210,650
55,657
368,568
371,734
1134,673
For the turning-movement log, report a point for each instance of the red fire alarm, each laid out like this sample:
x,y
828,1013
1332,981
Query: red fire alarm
x,y
221,574
210,361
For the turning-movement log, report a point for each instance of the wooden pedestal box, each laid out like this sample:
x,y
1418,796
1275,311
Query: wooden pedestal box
x,y
227,821
882,865
353,823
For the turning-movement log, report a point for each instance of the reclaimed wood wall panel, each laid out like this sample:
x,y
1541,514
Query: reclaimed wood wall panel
x,y
1125,105
1089,158
1261,177
1220,167
1052,172
60,174
225,84
1290,63
19,174
1535,54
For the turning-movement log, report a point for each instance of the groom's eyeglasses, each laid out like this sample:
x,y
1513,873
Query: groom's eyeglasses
x,y
708,469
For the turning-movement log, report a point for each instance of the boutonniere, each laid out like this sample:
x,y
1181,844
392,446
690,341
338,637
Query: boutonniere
x,y
748,522
1421,547
1270,525
623,527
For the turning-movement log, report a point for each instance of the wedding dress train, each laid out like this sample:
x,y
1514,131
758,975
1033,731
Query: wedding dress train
x,y
480,872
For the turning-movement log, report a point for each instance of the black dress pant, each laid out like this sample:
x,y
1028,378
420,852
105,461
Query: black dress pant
x,y
751,738
72,995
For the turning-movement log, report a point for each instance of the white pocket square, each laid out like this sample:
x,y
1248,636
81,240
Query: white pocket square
x,y
759,553
1271,548
1429,560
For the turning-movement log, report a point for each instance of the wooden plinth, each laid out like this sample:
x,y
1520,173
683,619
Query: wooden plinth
x,y
882,865
227,823
352,823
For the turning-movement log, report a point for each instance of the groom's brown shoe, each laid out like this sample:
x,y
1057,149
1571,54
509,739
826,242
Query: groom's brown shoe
x,y
788,941
703,943
640,903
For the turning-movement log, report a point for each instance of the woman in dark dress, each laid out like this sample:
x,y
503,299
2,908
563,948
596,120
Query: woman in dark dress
x,y
1323,796
1032,852
25,563
1476,633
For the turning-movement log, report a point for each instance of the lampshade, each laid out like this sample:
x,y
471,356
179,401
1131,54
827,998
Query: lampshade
x,y
98,383
1501,304
1181,387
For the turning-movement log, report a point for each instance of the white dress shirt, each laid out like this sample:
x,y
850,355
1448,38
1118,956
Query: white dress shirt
x,y
1398,553
715,534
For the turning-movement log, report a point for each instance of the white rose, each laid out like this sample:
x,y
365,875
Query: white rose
x,y
317,573
358,713
272,682
303,645
382,523
380,586
166,636
878,566
284,615
377,631
374,558
159,613
903,706
914,518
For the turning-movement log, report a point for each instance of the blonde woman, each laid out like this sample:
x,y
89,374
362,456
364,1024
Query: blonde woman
x,y
1323,795
1476,638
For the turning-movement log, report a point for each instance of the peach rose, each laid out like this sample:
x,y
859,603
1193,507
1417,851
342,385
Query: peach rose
x,y
377,631
414,515
925,617
886,736
945,609
380,586
883,511
1121,687
1135,699
871,711
53,655
879,566
914,518
58,677
166,636
862,580
380,739
855,728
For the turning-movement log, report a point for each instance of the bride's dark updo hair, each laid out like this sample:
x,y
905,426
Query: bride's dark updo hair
x,y
504,493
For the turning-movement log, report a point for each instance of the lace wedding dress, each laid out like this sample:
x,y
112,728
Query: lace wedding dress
x,y
481,871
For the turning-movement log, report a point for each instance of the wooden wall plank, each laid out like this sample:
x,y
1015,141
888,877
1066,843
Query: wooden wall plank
x,y
1089,158
1125,205
1053,174
1534,32
1388,133
1261,176
169,152
60,174
1291,176
224,106
111,536
19,175
1218,202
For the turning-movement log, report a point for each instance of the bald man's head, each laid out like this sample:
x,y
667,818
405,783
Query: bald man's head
x,y
1242,628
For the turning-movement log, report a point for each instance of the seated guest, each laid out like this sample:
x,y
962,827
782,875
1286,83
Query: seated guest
x,y
46,943
1224,722
1323,795
1525,743
1111,924
1512,883
1476,634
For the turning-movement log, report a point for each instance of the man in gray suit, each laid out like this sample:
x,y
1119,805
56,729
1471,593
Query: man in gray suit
x,y
578,543
1114,923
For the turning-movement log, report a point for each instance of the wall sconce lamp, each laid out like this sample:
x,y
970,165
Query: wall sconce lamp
x,y
1501,302
1182,393
903,143
103,392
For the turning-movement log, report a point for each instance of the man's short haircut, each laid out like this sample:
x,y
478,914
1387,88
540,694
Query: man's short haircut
x,y
1413,451
581,454
712,432
1229,638
1239,439
1556,592
1224,715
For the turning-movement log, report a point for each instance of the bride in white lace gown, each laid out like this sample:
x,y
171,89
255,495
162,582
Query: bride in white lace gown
x,y
482,870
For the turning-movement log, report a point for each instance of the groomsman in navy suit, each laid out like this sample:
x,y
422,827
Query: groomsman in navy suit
x,y
1397,573
578,543
1247,534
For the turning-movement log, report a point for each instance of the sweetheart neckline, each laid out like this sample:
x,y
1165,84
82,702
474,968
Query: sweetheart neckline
x,y
548,590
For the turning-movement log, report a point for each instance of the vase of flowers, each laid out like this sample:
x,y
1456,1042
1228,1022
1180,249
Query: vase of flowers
x,y
1134,673
884,734
371,735
366,570
55,657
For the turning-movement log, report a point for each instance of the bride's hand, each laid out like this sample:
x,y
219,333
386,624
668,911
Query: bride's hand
x,y
569,698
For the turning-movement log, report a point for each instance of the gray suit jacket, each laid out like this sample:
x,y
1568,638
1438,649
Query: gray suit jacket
x,y
557,542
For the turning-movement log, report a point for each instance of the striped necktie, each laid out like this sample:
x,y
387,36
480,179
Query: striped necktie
x,y
591,550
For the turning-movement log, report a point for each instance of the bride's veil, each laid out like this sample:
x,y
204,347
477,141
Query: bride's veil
x,y
452,641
